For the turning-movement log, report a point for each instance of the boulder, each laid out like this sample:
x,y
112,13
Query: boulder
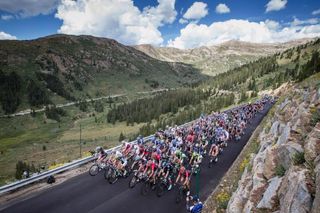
x,y
270,162
286,151
241,195
293,194
284,135
269,199
312,144
274,128
316,201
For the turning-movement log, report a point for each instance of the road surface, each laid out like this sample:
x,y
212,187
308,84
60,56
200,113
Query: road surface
x,y
93,194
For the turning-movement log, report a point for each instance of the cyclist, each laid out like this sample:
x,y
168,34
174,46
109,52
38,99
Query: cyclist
x,y
150,170
102,155
184,177
214,150
121,163
166,172
196,157
179,156
197,205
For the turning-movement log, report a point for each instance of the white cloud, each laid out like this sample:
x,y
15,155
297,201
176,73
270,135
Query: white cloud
x,y
316,12
183,21
272,25
195,35
222,8
6,36
298,22
117,19
6,17
26,8
197,11
276,5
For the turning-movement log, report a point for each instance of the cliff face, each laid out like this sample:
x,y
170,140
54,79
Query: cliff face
x,y
284,175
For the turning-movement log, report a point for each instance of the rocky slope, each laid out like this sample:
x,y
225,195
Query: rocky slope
x,y
284,175
219,58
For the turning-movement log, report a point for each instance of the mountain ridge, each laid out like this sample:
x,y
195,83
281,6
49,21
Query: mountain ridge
x,y
215,59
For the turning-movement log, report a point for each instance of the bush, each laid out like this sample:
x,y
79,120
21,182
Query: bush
x,y
98,107
54,113
280,170
83,106
243,164
23,166
222,200
315,117
298,158
121,137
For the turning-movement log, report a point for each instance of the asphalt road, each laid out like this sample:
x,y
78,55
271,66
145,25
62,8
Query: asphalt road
x,y
93,194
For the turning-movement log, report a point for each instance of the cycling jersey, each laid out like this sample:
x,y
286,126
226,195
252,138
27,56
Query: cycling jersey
x,y
197,208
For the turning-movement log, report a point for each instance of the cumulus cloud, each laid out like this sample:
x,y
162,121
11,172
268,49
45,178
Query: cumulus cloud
x,y
222,8
6,17
276,5
197,11
316,12
195,35
117,19
26,8
298,22
272,25
183,21
6,36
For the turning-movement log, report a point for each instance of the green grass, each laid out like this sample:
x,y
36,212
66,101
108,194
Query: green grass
x,y
23,138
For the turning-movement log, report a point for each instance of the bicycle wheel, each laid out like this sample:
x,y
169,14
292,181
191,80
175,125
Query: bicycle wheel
x,y
113,177
94,170
107,173
145,188
179,195
161,189
133,182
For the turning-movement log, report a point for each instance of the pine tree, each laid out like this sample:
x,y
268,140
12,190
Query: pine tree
x,y
121,137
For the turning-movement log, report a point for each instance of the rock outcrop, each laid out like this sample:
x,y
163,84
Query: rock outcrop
x,y
284,175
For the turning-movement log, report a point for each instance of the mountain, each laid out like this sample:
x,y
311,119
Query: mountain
x,y
59,67
219,58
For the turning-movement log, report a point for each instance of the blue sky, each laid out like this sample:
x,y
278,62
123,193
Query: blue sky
x,y
163,22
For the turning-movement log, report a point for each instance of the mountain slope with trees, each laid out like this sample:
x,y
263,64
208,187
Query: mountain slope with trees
x,y
65,67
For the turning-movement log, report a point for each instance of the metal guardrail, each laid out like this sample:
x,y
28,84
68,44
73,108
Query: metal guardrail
x,y
46,174
76,163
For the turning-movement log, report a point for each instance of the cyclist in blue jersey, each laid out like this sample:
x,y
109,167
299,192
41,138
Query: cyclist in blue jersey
x,y
196,206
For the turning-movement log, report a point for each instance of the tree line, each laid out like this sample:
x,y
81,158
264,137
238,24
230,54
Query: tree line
x,y
146,109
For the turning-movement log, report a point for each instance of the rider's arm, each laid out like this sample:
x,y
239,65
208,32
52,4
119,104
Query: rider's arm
x,y
186,179
178,177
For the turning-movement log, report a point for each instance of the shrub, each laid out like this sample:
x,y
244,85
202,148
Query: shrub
x,y
298,158
121,137
243,164
54,113
280,170
222,200
315,117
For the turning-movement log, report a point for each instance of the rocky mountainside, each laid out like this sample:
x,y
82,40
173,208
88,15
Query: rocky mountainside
x,y
219,58
70,67
284,175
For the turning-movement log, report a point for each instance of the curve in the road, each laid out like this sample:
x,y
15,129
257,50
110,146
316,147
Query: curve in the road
x,y
93,194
